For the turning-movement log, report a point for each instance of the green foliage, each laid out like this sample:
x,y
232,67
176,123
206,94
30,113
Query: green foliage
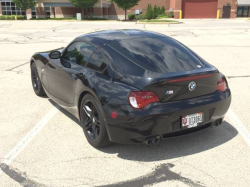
x,y
140,16
166,15
159,21
83,4
159,10
125,4
131,16
150,12
162,10
155,12
25,4
11,17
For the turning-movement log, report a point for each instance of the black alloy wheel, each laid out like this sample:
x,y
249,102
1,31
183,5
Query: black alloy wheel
x,y
93,123
36,82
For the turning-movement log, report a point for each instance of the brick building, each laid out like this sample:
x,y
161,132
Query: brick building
x,y
106,9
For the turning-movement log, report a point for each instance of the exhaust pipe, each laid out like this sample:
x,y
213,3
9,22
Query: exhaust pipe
x,y
148,141
153,140
217,122
156,141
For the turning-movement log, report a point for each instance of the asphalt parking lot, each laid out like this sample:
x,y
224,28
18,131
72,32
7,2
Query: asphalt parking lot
x,y
42,144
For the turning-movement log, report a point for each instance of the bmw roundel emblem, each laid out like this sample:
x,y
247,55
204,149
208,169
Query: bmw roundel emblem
x,y
192,86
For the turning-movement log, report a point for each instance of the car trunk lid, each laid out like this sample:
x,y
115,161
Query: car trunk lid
x,y
184,85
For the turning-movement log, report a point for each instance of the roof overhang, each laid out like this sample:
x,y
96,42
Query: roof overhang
x,y
243,2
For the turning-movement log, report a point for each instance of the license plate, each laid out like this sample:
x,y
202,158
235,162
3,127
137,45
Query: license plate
x,y
192,120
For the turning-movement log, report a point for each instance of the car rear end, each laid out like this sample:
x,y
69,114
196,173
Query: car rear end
x,y
174,91
150,116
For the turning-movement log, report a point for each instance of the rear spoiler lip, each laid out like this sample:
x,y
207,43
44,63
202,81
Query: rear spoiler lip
x,y
179,75
196,72
190,78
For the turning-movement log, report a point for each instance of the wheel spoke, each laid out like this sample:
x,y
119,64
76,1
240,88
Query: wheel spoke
x,y
88,124
92,109
95,131
87,110
97,122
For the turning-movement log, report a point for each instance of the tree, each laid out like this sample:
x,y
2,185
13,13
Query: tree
x,y
25,4
149,13
159,10
83,4
155,12
162,10
126,4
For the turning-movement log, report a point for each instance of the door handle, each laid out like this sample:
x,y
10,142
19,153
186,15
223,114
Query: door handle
x,y
76,76
80,75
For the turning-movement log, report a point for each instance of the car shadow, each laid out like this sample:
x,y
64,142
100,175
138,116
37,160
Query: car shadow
x,y
170,148
67,112
178,146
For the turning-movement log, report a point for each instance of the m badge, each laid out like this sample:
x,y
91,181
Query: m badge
x,y
169,92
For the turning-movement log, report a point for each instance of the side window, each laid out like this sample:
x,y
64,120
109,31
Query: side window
x,y
97,61
79,53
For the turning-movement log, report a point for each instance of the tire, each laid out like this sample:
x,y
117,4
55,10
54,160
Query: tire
x,y
36,82
93,123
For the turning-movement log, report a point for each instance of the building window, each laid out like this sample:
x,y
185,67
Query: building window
x,y
9,8
47,11
33,12
242,11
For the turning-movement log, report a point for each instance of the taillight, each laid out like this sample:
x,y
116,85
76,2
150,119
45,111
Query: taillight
x,y
142,99
222,84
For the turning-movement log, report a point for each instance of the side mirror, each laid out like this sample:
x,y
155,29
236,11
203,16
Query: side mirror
x,y
55,55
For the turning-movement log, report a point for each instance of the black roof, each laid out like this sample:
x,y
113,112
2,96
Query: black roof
x,y
109,36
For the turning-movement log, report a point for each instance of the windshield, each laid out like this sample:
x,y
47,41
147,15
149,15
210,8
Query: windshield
x,y
161,54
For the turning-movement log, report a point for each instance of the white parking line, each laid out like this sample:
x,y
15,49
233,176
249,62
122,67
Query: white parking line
x,y
27,139
239,126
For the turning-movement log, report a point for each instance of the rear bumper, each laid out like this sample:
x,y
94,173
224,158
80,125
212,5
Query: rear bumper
x,y
134,126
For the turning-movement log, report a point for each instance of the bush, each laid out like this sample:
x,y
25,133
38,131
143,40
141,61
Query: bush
x,y
162,10
150,12
155,12
159,10
131,16
140,16
11,17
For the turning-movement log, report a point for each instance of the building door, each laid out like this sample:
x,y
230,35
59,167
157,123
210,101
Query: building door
x,y
199,8
226,12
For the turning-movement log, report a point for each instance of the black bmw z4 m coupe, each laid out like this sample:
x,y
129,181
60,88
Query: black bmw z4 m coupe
x,y
132,86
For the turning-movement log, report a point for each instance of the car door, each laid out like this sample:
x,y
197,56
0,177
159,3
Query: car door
x,y
62,78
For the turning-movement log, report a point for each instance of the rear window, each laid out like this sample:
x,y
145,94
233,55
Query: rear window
x,y
160,55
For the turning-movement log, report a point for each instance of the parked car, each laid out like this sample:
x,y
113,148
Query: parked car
x,y
132,86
